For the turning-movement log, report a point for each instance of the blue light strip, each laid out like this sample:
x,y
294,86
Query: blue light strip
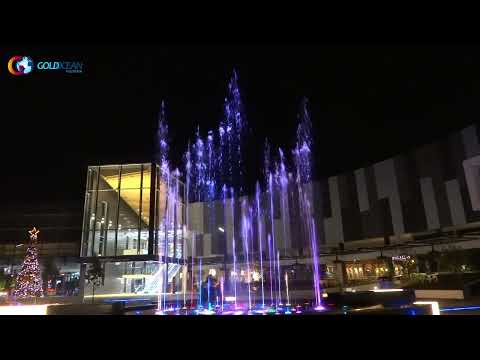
x,y
460,308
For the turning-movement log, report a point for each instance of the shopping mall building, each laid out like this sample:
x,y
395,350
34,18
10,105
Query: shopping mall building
x,y
370,221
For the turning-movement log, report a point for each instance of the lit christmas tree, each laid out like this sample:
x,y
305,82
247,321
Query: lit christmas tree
x,y
29,281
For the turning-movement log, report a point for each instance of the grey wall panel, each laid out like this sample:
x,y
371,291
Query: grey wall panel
x,y
403,175
455,202
430,203
349,207
430,163
326,203
371,186
472,177
414,218
362,191
318,192
458,152
447,157
295,224
352,226
470,141
229,226
333,225
386,224
196,217
207,245
387,187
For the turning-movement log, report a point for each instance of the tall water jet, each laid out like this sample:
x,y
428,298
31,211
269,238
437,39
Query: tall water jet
x,y
175,254
199,168
234,125
209,305
279,281
166,175
303,163
273,251
282,177
210,184
232,203
222,290
161,158
270,267
161,141
286,288
260,233
245,232
200,306
188,169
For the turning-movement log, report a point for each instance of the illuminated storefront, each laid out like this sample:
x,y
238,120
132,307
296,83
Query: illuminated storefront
x,y
134,223
374,268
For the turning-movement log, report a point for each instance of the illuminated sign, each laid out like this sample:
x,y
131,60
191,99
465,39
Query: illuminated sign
x,y
401,258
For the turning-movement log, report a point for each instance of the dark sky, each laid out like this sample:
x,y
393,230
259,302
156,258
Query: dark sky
x,y
368,102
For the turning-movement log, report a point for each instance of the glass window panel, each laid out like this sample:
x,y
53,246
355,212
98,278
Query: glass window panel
x,y
92,178
129,209
106,214
110,243
96,243
92,175
145,208
161,204
88,220
109,177
127,242
143,242
157,174
131,176
147,174
89,243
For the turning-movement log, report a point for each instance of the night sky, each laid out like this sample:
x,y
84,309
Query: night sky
x,y
368,102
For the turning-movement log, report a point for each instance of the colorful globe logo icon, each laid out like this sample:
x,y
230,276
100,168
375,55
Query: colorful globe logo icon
x,y
20,65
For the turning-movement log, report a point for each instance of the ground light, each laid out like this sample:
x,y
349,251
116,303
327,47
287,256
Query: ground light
x,y
461,308
433,304
25,309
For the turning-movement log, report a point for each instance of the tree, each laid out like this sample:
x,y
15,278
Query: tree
x,y
29,282
94,276
50,269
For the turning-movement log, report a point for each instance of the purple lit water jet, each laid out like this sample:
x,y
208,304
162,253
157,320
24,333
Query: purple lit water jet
x,y
259,227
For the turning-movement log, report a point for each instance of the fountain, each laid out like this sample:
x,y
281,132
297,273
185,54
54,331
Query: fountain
x,y
214,171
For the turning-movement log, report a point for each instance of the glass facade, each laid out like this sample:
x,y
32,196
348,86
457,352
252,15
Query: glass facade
x,y
131,210
137,277
134,219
